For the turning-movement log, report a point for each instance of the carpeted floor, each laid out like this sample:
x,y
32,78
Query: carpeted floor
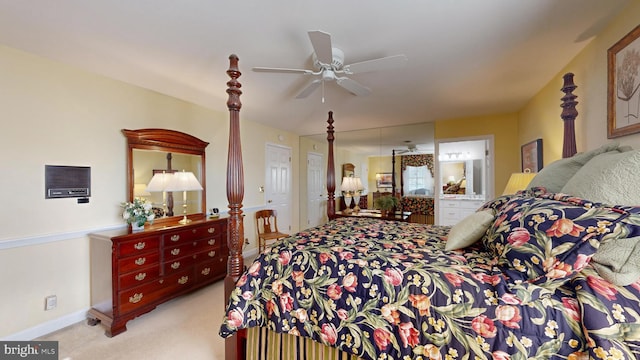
x,y
183,328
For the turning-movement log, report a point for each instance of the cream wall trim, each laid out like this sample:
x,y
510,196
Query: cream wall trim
x,y
37,240
48,327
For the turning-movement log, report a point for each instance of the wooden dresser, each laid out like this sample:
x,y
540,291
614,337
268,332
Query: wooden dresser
x,y
132,273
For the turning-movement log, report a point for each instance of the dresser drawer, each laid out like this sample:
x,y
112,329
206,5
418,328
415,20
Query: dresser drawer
x,y
214,243
139,277
137,246
196,233
211,269
139,296
181,250
175,265
178,282
136,263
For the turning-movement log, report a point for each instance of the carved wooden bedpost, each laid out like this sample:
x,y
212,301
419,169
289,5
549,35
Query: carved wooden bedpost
x,y
235,195
331,172
569,114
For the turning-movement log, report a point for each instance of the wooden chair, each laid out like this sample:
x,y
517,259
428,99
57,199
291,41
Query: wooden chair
x,y
267,226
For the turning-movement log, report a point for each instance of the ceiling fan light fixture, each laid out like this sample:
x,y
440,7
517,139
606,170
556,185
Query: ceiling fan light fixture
x,y
328,63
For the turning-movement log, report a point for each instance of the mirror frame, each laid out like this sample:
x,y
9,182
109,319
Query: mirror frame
x,y
168,141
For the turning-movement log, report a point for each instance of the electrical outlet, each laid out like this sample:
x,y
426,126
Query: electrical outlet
x,y
50,302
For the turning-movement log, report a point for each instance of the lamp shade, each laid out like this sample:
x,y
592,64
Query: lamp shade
x,y
159,182
348,184
358,184
183,181
517,182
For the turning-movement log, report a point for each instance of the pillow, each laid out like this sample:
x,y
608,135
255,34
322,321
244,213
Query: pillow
x,y
469,230
545,239
610,177
555,175
618,261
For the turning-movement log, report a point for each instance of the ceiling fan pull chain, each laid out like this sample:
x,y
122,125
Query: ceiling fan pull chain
x,y
323,91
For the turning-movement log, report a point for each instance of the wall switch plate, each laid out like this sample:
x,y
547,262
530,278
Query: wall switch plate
x,y
50,302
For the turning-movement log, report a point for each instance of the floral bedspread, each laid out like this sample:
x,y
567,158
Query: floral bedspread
x,y
389,290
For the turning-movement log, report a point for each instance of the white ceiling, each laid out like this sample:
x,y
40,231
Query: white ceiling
x,y
465,57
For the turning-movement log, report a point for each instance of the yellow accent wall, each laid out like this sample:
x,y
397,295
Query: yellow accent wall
x,y
540,118
504,128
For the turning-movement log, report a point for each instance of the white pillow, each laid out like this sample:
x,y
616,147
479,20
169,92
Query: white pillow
x,y
469,230
610,178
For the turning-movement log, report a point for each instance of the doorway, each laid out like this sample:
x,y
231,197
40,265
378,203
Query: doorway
x,y
278,184
464,177
316,201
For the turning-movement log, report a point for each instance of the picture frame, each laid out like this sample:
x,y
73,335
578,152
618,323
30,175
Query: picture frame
x,y
623,97
384,180
531,156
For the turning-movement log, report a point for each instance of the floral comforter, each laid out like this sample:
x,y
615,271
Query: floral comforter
x,y
389,290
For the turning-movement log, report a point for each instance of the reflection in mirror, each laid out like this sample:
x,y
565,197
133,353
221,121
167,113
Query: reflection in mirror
x,y
370,151
160,150
463,168
146,163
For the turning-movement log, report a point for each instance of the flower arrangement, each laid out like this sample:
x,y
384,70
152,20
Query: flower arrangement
x,y
138,212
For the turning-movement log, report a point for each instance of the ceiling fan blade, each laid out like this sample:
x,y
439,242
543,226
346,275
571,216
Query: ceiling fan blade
x,y
353,86
321,42
384,63
282,70
309,89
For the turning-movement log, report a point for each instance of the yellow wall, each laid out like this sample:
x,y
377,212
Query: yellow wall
x,y
540,118
504,128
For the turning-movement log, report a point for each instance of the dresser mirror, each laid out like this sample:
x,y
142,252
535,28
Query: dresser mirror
x,y
156,151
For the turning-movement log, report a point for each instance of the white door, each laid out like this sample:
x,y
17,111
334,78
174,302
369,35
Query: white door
x,y
278,184
316,202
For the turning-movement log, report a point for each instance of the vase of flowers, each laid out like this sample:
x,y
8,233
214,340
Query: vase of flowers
x,y
137,213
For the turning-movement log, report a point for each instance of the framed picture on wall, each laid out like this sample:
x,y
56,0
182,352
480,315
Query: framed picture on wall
x,y
531,156
384,180
623,97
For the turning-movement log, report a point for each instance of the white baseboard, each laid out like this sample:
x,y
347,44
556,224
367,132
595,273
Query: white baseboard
x,y
48,327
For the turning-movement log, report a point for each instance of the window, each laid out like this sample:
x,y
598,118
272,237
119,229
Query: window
x,y
417,181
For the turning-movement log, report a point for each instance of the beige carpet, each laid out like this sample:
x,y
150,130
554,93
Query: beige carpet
x,y
183,328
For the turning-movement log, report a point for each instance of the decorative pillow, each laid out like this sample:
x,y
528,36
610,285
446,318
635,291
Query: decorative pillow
x,y
618,257
469,230
609,178
555,175
544,241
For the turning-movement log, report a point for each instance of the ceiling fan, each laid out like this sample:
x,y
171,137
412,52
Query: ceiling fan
x,y
328,63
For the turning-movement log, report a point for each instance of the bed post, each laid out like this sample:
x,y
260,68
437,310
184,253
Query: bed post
x,y
235,193
331,171
569,114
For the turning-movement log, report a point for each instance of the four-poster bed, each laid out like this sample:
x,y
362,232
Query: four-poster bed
x,y
366,288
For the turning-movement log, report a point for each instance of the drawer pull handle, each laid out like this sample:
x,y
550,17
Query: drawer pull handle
x,y
141,261
135,298
183,280
212,253
175,251
175,237
141,276
211,230
140,245
206,271
175,265
212,242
